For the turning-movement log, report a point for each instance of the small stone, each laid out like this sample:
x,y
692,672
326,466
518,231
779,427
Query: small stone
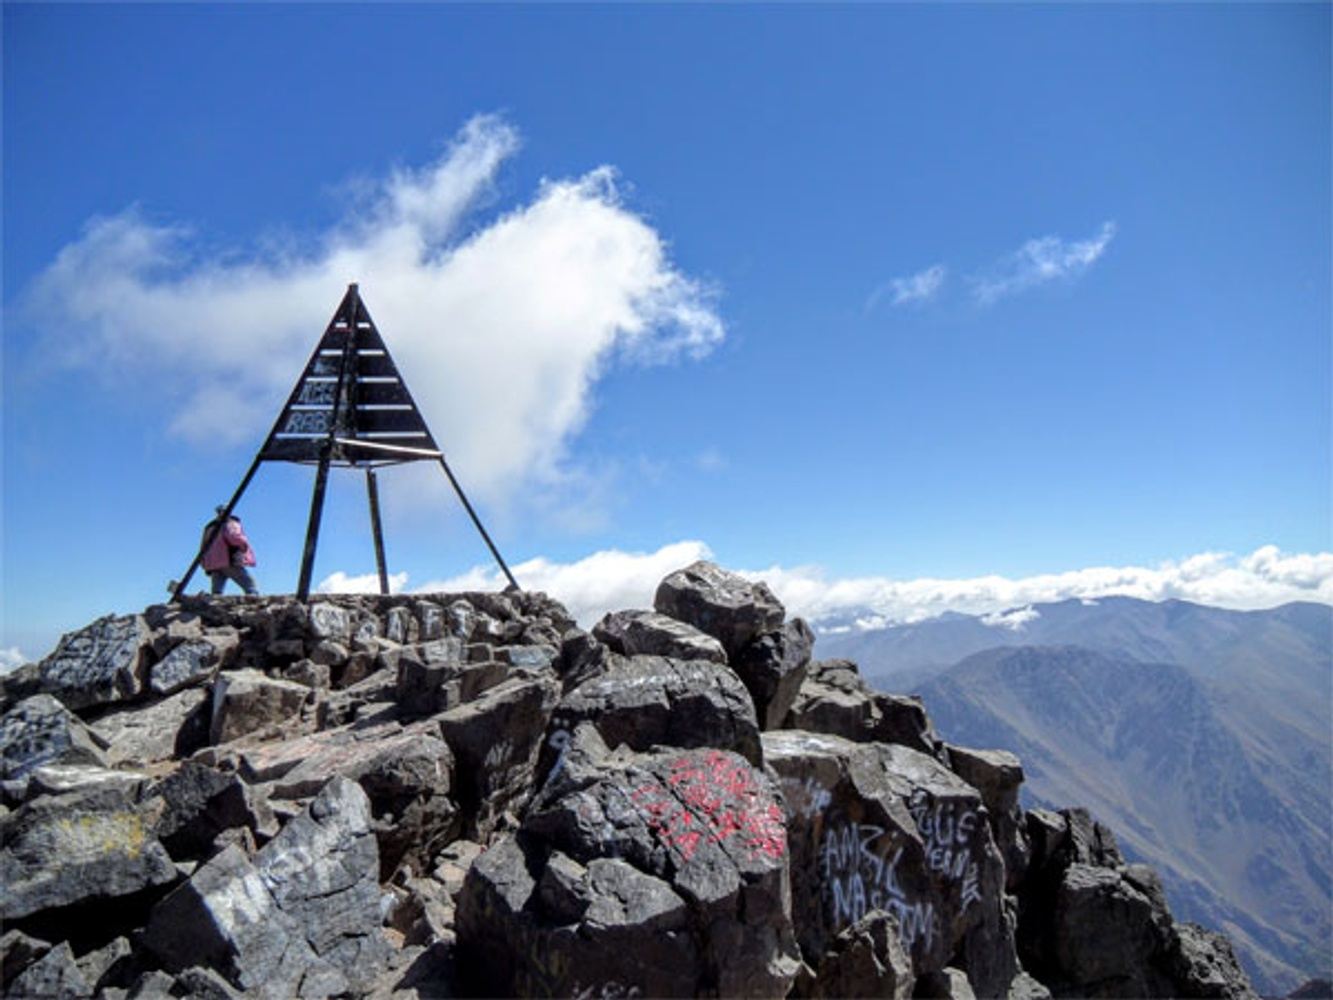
x,y
55,974
328,621
173,727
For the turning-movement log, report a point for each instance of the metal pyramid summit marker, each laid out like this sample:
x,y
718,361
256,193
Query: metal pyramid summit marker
x,y
350,408
350,401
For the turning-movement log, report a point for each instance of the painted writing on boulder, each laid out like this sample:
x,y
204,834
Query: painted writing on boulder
x,y
713,799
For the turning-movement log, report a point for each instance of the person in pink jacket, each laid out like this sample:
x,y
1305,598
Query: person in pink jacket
x,y
229,556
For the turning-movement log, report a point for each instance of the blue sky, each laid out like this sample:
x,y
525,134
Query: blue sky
x,y
981,303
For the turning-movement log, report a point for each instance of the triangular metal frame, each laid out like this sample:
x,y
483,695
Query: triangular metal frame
x,y
351,409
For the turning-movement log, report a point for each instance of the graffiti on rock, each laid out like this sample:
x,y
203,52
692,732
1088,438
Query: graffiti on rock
x,y
713,799
948,829
858,863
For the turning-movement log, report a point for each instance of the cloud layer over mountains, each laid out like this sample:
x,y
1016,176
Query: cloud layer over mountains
x,y
612,579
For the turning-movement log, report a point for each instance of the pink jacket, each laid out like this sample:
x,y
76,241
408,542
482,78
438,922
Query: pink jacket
x,y
218,555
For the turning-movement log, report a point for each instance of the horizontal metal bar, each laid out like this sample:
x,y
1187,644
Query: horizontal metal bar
x,y
398,449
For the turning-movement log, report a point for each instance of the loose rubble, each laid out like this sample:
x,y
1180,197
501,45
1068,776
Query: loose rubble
x,y
466,794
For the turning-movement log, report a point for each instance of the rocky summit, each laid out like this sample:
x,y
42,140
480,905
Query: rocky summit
x,y
467,795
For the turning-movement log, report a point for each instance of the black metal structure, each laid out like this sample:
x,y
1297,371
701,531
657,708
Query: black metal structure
x,y
350,409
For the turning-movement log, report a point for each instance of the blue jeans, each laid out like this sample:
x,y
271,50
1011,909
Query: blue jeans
x,y
238,573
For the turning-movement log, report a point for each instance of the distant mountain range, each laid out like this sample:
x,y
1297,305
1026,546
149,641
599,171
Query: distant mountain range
x,y
1204,737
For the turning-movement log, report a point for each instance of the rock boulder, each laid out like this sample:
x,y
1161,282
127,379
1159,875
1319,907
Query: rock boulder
x,y
59,850
659,874
773,668
728,607
40,730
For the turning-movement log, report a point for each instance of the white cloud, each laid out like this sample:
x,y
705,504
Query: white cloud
x,y
612,580
501,330
11,658
1014,619
710,460
364,583
1263,579
920,287
1046,258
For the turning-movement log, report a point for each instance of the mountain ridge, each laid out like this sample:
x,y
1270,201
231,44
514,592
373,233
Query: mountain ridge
x,y
1152,749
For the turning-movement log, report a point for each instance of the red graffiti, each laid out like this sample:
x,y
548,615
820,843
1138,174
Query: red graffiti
x,y
715,798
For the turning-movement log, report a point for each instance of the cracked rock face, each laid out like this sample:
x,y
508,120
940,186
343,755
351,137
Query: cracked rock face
x,y
633,633
773,667
300,919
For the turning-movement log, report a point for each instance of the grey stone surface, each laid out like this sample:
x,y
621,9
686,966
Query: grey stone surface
x,y
176,726
866,959
62,779
407,772
192,662
884,827
100,963
196,803
495,741
436,676
998,775
1106,933
946,984
834,699
203,983
55,974
301,919
1202,963
18,951
151,985
1025,987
